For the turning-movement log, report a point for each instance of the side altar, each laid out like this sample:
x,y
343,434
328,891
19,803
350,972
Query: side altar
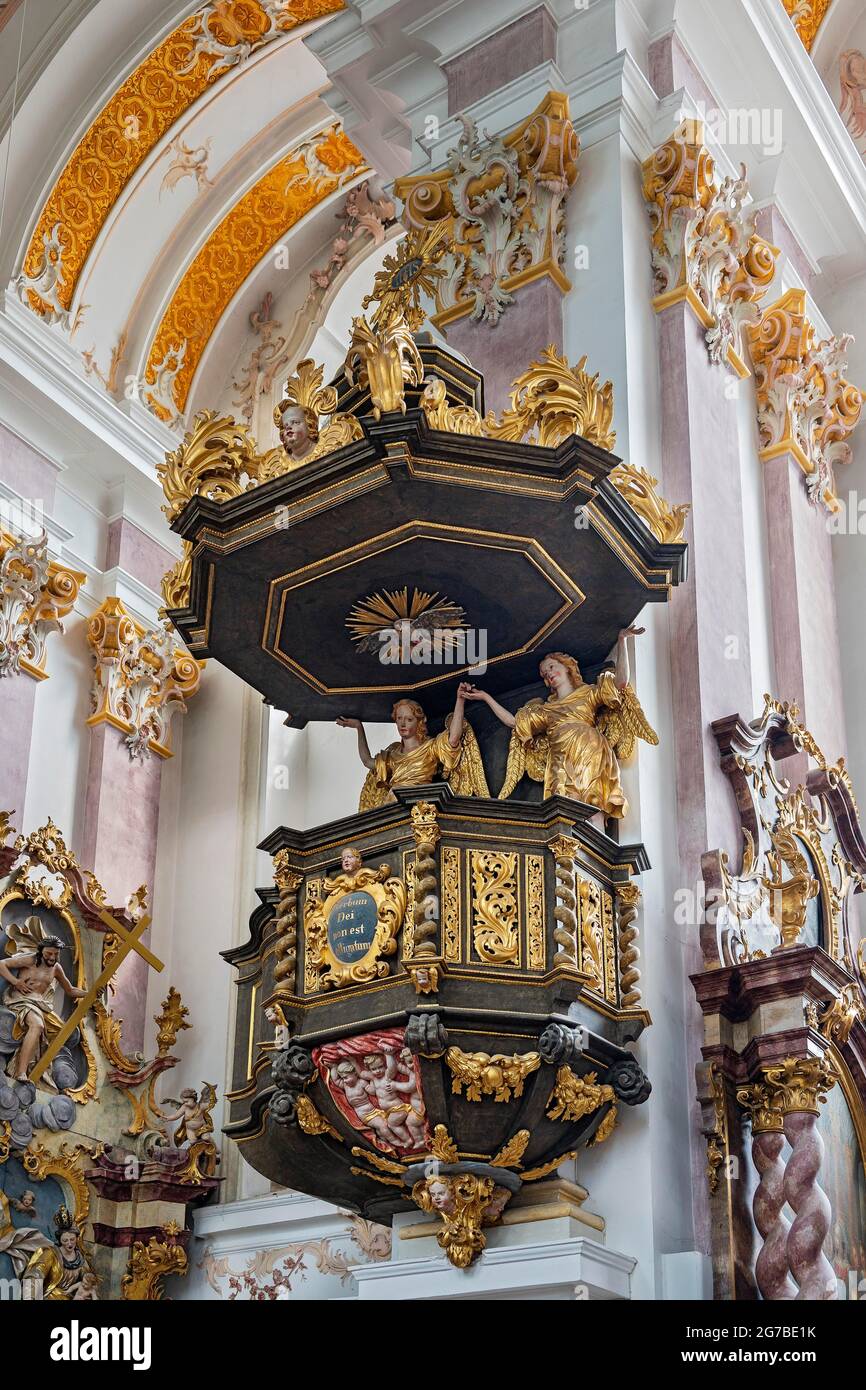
x,y
438,992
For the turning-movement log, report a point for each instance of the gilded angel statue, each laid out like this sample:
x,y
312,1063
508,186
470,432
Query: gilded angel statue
x,y
417,758
574,740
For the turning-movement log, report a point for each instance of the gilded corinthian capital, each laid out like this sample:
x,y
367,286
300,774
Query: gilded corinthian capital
x,y
35,595
501,201
806,407
141,679
705,250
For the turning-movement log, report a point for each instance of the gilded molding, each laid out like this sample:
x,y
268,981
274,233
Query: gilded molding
x,y
839,1018
563,849
806,407
806,17
536,917
288,881
141,679
284,195
194,56
705,250
35,595
495,933
718,1137
628,898
502,202
451,901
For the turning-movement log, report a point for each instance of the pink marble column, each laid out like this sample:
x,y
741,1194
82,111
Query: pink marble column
x,y
710,663
118,842
121,812
771,1266
803,596
808,1263
17,701
503,351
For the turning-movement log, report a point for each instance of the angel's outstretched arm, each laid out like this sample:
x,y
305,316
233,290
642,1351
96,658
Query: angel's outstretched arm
x,y
471,692
363,746
455,726
622,671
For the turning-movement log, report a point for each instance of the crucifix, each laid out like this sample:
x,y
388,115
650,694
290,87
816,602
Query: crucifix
x,y
128,941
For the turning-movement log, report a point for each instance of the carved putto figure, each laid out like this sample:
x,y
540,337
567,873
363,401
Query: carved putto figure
x,y
417,757
298,413
573,740
194,1115
381,1088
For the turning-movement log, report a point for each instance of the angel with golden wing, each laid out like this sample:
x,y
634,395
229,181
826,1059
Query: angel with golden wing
x,y
418,758
574,740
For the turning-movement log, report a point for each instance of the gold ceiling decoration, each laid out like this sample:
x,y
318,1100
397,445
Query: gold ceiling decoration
x,y
806,17
386,612
192,58
284,195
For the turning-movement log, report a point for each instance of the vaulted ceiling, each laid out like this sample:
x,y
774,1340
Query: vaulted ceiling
x,y
175,179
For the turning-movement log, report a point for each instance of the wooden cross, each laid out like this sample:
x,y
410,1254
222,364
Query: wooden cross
x,y
129,941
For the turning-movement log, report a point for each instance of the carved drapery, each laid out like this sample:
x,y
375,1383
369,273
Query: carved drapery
x,y
806,407
36,593
141,679
502,200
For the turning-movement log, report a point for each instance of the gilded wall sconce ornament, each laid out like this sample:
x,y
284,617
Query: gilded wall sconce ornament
x,y
141,679
705,250
356,924
502,202
840,1016
806,407
575,1096
717,1138
149,1264
498,1076
36,593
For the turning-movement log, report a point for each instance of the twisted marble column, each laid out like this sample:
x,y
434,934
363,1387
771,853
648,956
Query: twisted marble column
x,y
771,1266
804,1195
784,1105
